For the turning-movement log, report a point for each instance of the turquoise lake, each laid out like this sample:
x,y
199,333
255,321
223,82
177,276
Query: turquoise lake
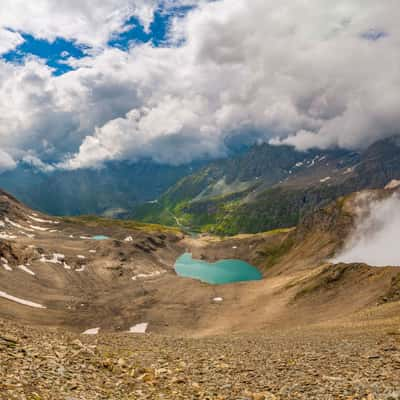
x,y
218,273
100,237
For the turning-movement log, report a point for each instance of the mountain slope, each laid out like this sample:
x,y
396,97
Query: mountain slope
x,y
110,191
271,187
54,272
57,272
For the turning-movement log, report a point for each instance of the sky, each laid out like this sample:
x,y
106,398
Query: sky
x,y
86,82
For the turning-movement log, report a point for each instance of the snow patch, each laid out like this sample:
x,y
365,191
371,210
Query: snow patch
x,y
20,301
26,269
323,180
39,228
312,162
139,328
81,269
44,221
66,266
6,266
81,257
14,224
6,236
348,171
128,239
29,235
37,219
150,275
92,251
56,259
92,331
218,299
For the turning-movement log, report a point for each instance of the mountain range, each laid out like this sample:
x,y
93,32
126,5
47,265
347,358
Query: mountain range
x,y
253,190
271,187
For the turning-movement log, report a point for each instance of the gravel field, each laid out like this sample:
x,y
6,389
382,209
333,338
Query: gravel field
x,y
325,363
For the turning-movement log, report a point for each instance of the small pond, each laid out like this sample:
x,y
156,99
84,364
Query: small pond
x,y
100,237
218,273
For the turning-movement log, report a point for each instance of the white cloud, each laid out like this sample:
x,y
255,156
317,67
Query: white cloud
x,y
305,73
9,40
6,161
37,163
89,22
375,239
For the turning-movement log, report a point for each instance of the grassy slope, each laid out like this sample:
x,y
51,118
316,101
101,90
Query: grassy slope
x,y
277,205
95,221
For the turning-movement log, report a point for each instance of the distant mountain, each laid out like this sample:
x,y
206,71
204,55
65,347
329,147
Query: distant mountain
x,y
271,187
109,191
255,189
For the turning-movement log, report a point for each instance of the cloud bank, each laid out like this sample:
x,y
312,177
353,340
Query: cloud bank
x,y
375,239
315,73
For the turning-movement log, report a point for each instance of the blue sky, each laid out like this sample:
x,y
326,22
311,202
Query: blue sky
x,y
158,33
56,53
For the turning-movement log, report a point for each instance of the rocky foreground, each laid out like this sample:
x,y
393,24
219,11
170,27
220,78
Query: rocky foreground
x,y
344,362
